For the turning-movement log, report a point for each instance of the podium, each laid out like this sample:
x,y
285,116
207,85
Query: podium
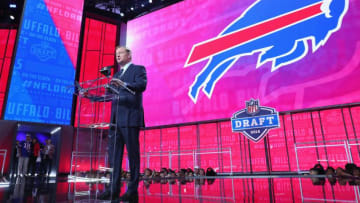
x,y
93,111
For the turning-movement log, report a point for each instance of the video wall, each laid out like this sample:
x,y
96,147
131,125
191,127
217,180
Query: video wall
x,y
98,51
204,59
7,43
44,67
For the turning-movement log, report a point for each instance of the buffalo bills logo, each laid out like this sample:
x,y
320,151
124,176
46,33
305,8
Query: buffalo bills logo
x,y
277,29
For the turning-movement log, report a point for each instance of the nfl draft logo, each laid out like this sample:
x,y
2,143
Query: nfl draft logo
x,y
255,121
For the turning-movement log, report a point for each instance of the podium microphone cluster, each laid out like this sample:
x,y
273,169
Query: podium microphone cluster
x,y
106,71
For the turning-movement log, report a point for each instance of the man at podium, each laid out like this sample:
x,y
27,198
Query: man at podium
x,y
128,114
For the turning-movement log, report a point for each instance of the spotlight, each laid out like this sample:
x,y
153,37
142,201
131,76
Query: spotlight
x,y
132,8
55,130
12,5
12,17
150,1
142,5
122,14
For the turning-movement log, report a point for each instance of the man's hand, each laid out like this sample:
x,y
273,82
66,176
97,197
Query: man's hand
x,y
117,82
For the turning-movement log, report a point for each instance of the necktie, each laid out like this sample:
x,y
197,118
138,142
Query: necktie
x,y
122,72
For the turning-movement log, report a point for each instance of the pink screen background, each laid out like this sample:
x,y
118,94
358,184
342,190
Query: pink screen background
x,y
7,43
163,40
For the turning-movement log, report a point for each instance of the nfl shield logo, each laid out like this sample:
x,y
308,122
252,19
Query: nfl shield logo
x,y
252,106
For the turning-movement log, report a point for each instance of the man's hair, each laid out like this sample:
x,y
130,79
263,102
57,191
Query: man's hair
x,y
127,49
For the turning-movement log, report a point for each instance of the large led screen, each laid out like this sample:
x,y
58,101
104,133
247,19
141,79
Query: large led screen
x,y
44,67
204,59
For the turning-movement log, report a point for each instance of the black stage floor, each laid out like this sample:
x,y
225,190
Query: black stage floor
x,y
280,188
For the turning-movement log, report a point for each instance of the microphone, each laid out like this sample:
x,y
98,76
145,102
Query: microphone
x,y
106,71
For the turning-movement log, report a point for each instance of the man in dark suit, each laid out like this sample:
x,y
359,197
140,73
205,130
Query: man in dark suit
x,y
128,114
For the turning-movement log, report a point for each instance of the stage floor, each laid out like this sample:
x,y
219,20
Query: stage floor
x,y
280,188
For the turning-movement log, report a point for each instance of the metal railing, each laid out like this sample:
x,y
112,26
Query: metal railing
x,y
193,153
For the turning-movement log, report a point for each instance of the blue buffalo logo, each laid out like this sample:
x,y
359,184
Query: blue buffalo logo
x,y
278,30
255,121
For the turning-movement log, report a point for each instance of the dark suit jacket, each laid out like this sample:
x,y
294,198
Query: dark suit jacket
x,y
128,111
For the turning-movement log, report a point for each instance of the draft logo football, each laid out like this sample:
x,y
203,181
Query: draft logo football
x,y
255,121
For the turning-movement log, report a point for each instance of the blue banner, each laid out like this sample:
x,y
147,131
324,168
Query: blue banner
x,y
266,121
44,67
